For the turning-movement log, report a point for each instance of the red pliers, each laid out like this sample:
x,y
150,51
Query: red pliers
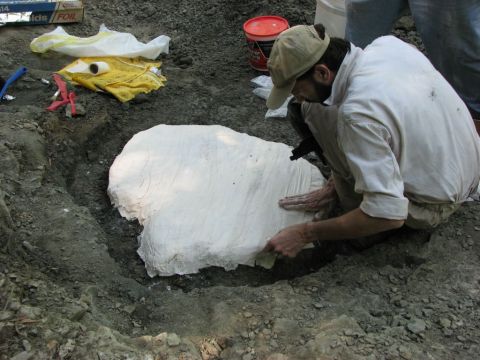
x,y
67,97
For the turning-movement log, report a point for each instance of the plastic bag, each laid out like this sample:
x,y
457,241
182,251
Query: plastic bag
x,y
263,86
105,43
206,195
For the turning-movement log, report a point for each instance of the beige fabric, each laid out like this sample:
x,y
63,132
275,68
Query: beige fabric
x,y
294,52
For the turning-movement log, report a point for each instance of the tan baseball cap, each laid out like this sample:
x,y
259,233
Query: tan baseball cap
x,y
294,52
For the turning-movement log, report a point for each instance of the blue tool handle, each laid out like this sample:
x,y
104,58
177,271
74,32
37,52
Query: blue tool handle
x,y
17,74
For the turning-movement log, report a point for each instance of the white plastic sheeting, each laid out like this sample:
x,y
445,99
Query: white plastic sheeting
x,y
206,195
263,87
105,43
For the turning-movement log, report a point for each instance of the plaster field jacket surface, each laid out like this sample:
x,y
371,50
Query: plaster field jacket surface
x,y
401,132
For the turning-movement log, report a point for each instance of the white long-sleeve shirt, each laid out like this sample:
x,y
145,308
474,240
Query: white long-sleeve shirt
x,y
401,132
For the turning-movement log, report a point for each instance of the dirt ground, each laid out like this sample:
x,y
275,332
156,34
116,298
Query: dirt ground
x,y
72,285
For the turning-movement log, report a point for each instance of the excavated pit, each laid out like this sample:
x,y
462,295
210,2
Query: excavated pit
x,y
87,182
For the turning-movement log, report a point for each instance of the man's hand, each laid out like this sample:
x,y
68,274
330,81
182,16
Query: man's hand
x,y
312,201
289,241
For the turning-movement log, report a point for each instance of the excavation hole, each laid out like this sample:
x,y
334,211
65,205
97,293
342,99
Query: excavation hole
x,y
88,182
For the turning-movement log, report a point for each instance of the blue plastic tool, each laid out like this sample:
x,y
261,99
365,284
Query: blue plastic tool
x,y
15,76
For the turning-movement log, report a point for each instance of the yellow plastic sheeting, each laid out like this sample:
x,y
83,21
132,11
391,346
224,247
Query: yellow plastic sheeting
x,y
126,78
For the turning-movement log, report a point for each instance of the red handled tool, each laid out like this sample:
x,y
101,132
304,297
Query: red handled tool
x,y
67,97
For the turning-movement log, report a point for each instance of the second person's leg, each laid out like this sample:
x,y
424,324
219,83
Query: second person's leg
x,y
370,19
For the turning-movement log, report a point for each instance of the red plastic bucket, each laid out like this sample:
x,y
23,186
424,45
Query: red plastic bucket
x,y
261,33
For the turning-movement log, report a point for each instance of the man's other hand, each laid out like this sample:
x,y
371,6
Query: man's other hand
x,y
312,201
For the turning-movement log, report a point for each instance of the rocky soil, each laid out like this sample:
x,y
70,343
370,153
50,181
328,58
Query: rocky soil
x,y
72,286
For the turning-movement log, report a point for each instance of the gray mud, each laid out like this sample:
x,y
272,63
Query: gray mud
x,y
72,285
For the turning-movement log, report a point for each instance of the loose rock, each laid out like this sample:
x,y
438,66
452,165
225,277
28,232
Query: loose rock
x,y
173,339
416,326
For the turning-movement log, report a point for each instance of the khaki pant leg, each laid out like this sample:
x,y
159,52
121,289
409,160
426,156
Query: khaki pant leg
x,y
348,198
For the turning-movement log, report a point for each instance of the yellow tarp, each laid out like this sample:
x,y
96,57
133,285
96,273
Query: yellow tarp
x,y
126,78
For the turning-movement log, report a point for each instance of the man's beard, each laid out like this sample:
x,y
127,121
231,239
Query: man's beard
x,y
323,92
